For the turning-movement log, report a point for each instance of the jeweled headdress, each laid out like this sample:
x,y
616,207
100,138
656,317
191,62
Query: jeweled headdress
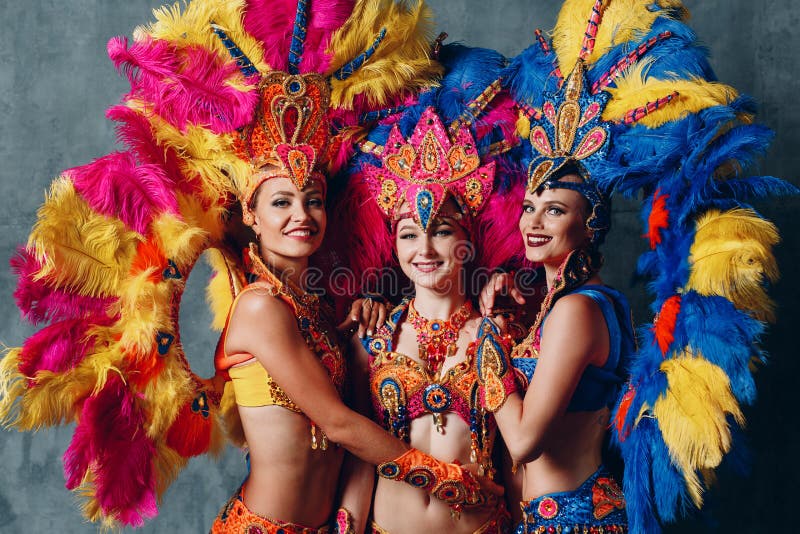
x,y
455,141
434,164
641,114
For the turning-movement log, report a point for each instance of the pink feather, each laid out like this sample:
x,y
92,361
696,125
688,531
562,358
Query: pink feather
x,y
501,113
116,186
110,440
133,130
496,234
60,346
184,85
272,22
39,302
362,235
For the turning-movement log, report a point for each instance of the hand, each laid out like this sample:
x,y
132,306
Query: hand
x,y
500,284
365,316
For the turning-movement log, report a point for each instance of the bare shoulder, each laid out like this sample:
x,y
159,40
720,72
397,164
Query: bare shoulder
x,y
261,305
578,312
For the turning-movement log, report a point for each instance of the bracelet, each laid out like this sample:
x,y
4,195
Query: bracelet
x,y
448,482
495,375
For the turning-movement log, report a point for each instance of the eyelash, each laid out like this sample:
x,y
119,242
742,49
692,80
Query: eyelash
x,y
553,210
282,203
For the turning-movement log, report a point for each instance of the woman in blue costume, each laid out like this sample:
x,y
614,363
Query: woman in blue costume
x,y
572,361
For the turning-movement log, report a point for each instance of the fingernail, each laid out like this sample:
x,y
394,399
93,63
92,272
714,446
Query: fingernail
x,y
354,318
369,332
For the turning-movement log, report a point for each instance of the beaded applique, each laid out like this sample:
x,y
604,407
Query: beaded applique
x,y
436,337
403,389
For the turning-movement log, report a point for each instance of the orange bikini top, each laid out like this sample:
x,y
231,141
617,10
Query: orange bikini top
x,y
252,384
403,389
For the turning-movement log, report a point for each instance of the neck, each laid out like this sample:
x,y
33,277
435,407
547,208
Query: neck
x,y
434,305
291,269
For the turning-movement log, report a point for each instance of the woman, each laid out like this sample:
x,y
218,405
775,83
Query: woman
x,y
289,371
573,362
421,362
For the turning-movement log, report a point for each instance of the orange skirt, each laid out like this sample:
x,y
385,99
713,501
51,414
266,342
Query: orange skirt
x,y
235,518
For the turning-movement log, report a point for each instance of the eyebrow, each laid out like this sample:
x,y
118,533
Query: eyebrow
x,y
285,193
405,225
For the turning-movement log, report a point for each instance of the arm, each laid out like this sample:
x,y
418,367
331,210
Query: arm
x,y
358,477
263,326
574,335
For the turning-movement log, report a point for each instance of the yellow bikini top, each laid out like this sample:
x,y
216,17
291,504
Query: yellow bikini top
x,y
252,384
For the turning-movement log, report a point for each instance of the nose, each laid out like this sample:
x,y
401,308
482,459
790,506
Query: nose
x,y
300,212
426,246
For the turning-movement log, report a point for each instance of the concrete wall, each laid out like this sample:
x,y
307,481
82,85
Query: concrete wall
x,y
56,82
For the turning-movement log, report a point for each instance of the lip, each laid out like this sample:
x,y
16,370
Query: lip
x,y
427,266
301,233
537,240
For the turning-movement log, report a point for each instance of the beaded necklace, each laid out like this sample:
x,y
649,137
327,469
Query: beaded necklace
x,y
436,337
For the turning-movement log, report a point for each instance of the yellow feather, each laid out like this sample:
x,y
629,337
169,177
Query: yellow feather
x,y
633,91
230,416
206,158
692,416
167,393
203,224
183,240
168,464
145,309
523,126
192,27
732,257
401,64
224,285
12,386
623,21
79,249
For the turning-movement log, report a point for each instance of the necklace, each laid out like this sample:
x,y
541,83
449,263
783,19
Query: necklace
x,y
437,337
283,285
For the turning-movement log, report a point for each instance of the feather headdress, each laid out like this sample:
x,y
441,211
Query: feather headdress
x,y
652,120
453,142
107,261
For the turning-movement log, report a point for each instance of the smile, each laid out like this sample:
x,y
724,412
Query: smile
x,y
302,234
428,266
536,240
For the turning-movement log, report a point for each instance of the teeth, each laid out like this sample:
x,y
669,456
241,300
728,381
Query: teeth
x,y
300,233
538,240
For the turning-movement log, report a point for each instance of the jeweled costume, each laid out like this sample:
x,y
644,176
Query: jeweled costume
x,y
445,146
630,100
107,261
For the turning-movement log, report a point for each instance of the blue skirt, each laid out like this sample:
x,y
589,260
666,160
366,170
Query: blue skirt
x,y
597,506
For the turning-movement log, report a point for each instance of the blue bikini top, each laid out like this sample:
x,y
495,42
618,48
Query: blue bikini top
x,y
599,386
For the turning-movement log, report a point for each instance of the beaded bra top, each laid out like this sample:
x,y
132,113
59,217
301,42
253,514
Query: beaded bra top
x,y
403,389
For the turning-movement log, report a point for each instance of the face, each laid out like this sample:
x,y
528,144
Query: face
x,y
290,223
553,224
433,259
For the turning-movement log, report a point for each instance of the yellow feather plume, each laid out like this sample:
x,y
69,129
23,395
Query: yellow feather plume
x,y
732,257
168,392
12,386
168,464
192,27
692,416
224,285
79,249
230,416
633,91
523,126
623,21
144,309
182,240
401,64
206,158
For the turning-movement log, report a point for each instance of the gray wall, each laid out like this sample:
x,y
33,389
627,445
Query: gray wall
x,y
56,82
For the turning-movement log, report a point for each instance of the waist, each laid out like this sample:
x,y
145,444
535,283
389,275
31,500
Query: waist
x,y
399,513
